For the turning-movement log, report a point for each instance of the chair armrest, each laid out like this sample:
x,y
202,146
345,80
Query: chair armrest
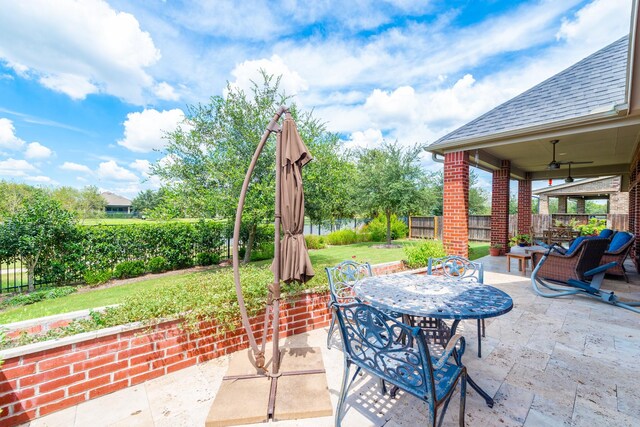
x,y
600,269
451,346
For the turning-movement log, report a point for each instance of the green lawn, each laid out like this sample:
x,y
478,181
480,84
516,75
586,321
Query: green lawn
x,y
363,252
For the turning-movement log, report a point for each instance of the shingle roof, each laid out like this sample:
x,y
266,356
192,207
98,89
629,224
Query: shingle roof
x,y
597,81
115,200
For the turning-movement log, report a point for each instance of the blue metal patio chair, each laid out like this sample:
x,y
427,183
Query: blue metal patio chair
x,y
342,277
398,354
458,268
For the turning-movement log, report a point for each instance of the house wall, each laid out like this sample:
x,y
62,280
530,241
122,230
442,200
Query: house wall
x,y
634,208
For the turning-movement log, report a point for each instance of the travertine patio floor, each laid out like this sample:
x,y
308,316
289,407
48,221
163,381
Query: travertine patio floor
x,y
549,362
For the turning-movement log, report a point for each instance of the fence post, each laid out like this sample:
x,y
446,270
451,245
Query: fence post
x,y
409,226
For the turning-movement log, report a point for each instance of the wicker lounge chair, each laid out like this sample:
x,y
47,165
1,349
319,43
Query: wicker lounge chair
x,y
617,252
578,272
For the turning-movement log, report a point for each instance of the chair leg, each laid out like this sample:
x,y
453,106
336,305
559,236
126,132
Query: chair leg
x,y
331,326
483,328
463,396
343,392
479,339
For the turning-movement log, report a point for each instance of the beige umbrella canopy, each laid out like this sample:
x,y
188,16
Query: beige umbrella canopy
x,y
295,264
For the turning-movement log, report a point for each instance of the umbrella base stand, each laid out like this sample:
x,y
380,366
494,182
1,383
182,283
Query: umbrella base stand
x,y
248,397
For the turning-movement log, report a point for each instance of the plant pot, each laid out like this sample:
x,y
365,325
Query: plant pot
x,y
494,251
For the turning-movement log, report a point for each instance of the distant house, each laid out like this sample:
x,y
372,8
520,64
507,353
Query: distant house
x,y
116,204
601,188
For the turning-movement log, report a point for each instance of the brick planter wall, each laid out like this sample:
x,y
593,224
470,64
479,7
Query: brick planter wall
x,y
41,378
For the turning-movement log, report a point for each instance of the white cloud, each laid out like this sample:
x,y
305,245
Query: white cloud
x,y
165,91
75,167
144,131
111,171
397,107
142,166
370,138
35,150
8,138
40,179
16,168
248,71
78,48
595,22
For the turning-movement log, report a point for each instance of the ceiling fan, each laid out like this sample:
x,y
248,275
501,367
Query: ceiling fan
x,y
555,165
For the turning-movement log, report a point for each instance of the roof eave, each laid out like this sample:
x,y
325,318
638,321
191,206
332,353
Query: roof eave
x,y
616,113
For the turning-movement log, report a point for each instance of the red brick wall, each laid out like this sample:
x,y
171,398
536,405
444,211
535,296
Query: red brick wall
x,y
500,205
455,235
524,205
634,208
36,384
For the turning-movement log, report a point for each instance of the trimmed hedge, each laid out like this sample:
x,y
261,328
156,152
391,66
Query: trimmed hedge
x,y
99,248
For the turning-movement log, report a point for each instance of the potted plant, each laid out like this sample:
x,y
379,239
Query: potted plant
x,y
495,249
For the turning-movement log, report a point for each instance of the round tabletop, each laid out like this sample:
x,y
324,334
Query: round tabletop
x,y
439,297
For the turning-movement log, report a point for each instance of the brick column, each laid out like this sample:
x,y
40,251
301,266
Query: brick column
x,y
524,205
580,205
455,235
543,207
562,204
500,206
634,208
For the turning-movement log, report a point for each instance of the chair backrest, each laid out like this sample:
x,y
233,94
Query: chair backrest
x,y
456,267
343,276
606,233
620,241
589,253
386,348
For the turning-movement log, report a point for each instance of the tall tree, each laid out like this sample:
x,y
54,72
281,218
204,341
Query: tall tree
x,y
433,192
37,229
12,196
85,203
389,180
209,158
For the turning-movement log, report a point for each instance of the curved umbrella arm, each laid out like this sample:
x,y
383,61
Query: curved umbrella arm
x,y
258,353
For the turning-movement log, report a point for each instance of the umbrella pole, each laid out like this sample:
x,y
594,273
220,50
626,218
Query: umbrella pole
x,y
259,355
276,255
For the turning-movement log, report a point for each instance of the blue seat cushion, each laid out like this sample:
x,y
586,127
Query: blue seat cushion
x,y
574,245
618,241
606,233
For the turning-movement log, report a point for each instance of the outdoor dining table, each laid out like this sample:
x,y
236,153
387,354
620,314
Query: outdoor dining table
x,y
439,297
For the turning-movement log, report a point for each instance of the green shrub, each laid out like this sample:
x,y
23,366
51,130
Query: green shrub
x,y
342,237
315,242
39,295
418,255
128,269
594,226
158,264
97,277
262,251
378,228
207,258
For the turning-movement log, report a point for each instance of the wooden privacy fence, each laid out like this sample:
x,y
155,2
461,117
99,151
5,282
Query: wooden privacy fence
x,y
430,227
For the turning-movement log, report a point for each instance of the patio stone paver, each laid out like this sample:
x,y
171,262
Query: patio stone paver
x,y
569,361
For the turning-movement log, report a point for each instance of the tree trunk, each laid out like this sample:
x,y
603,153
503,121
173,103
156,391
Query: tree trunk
x,y
31,277
388,227
252,238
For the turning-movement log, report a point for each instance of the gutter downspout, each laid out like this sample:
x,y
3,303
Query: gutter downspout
x,y
434,157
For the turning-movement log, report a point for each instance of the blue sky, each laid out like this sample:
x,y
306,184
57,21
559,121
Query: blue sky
x,y
87,88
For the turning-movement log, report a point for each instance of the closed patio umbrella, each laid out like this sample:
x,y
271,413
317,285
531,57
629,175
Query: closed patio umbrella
x,y
295,264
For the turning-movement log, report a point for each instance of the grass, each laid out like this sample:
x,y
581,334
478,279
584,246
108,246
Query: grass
x,y
91,298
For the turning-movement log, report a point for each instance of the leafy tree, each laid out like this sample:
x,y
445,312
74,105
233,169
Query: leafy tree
x,y
209,160
148,200
35,231
433,190
85,203
12,195
595,207
389,180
